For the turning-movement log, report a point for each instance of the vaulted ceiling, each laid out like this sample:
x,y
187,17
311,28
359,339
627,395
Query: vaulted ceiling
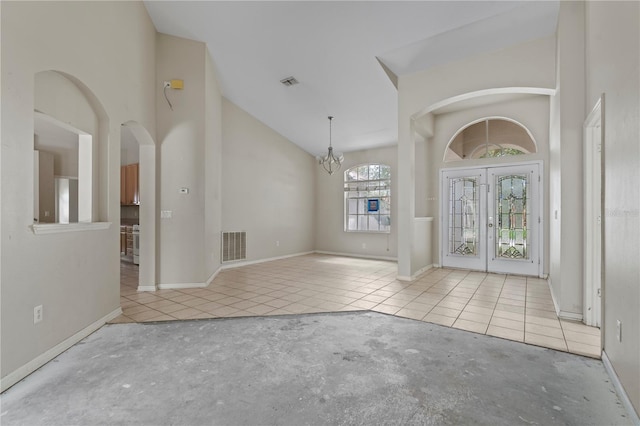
x,y
338,51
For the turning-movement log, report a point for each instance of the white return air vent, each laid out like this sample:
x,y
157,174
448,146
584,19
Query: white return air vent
x,y
234,246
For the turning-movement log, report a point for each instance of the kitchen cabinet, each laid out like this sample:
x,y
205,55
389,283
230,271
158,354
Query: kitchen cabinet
x,y
129,187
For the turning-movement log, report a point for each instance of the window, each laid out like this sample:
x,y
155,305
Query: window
x,y
490,138
367,198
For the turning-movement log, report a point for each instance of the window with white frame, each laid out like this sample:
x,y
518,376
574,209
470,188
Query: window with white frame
x,y
367,198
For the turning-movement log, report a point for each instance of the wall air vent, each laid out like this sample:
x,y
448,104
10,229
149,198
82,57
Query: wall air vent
x,y
289,81
234,246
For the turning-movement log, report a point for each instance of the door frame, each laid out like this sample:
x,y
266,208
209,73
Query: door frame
x,y
540,209
593,217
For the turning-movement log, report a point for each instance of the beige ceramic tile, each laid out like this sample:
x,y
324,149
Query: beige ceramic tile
x,y
548,322
541,314
363,304
579,328
544,330
451,305
510,308
386,309
410,313
478,310
141,316
260,309
582,349
447,312
507,323
508,315
472,316
473,326
545,341
506,333
586,339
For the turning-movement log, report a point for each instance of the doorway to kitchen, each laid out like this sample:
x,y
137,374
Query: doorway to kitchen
x,y
137,205
491,218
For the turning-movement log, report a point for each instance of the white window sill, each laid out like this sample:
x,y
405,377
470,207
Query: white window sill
x,y
58,228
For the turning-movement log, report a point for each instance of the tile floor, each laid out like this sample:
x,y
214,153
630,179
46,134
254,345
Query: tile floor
x,y
506,306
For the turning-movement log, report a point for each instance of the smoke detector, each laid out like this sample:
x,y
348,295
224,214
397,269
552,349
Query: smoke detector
x,y
289,81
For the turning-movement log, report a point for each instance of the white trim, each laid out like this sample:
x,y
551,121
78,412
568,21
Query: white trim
x,y
622,394
213,276
484,92
253,262
180,286
22,372
147,288
59,228
360,256
592,207
415,275
571,316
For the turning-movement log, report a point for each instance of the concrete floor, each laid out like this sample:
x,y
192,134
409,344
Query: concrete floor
x,y
341,368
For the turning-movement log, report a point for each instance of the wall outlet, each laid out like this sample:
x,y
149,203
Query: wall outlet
x,y
37,314
619,330
364,246
166,214
277,243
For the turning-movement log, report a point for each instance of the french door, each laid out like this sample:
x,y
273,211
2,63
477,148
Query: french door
x,y
491,219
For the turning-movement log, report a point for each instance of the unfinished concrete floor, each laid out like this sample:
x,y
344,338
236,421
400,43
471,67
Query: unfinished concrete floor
x,y
341,368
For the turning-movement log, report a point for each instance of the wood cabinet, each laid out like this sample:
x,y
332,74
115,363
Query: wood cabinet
x,y
129,188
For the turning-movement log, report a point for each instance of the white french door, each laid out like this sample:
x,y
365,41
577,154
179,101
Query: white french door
x,y
491,219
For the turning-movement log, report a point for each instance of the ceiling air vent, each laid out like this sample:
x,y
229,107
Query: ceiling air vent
x,y
289,81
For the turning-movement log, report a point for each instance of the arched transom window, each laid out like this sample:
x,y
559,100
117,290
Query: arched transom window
x,y
367,198
491,137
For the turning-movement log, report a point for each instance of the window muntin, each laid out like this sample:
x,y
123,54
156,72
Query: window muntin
x,y
367,195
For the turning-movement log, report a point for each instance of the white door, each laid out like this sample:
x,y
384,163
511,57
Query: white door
x,y
490,219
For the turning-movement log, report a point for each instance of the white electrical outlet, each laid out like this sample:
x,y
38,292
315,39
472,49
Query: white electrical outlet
x,y
166,214
364,245
619,330
277,243
37,314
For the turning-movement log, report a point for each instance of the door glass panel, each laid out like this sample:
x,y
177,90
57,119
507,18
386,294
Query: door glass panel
x,y
512,216
463,216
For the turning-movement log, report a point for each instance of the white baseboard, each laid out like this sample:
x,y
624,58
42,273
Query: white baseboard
x,y
213,276
22,372
147,288
269,259
571,316
360,256
622,394
416,275
180,286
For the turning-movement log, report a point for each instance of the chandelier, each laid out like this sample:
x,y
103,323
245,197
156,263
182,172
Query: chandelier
x,y
331,162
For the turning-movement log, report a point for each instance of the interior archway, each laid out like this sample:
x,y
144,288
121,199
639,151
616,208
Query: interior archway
x,y
146,157
488,138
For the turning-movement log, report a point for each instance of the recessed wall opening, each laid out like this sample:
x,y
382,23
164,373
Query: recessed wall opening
x,y
62,172
490,138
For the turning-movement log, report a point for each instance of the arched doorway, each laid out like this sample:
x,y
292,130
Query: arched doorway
x,y
132,134
491,214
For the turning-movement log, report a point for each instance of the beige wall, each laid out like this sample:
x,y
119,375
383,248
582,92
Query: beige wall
x,y
268,187
566,199
613,68
188,136
79,285
530,65
330,234
531,111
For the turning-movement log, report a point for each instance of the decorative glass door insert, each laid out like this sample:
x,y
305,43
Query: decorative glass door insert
x,y
511,228
487,219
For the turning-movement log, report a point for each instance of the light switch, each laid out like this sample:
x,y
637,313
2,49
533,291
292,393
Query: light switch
x,y
166,214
